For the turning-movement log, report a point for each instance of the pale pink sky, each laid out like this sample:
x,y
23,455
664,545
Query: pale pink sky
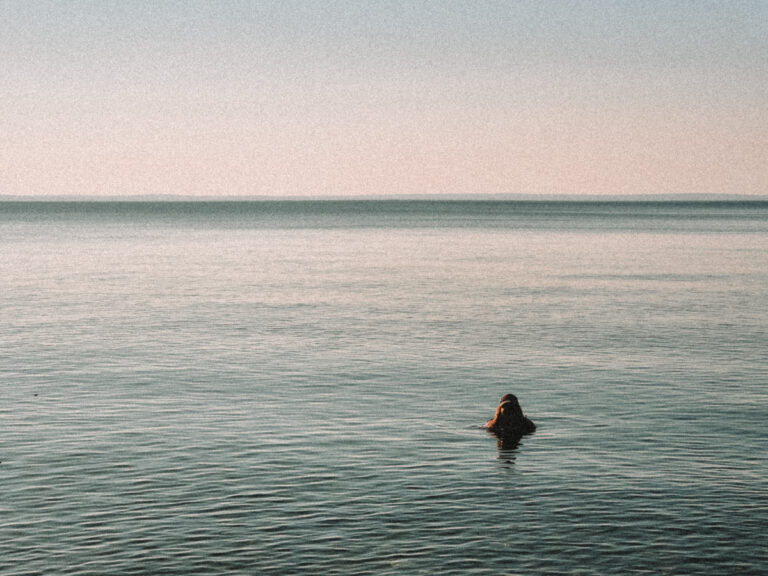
x,y
384,98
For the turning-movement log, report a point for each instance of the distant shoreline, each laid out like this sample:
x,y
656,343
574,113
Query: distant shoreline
x,y
528,198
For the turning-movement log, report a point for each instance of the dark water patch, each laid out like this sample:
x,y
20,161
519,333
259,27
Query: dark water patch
x,y
725,216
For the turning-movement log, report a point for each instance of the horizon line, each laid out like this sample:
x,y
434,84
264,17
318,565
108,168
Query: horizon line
x,y
691,197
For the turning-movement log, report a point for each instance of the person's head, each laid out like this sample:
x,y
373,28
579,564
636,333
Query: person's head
x,y
508,409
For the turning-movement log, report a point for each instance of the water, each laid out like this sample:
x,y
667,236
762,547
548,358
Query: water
x,y
299,388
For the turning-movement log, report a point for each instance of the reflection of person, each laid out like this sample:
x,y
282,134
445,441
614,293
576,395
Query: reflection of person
x,y
509,423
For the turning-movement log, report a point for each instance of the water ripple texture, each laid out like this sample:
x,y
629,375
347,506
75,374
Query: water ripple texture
x,y
300,388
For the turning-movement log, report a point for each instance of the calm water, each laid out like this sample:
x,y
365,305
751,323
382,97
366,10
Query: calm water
x,y
299,388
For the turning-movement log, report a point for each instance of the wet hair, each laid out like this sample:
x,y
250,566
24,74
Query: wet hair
x,y
509,420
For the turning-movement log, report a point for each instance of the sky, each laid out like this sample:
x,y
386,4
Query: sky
x,y
357,98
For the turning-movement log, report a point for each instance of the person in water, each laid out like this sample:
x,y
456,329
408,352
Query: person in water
x,y
509,422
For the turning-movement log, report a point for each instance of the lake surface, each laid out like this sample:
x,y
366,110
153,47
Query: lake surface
x,y
300,387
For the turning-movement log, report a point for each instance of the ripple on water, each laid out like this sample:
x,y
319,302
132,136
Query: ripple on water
x,y
210,395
